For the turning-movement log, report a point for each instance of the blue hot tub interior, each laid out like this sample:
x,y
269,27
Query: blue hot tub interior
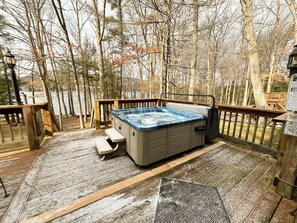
x,y
146,119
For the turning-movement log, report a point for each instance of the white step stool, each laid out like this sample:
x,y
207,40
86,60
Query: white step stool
x,y
114,135
114,145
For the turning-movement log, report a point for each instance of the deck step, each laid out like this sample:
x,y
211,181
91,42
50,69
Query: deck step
x,y
103,146
114,135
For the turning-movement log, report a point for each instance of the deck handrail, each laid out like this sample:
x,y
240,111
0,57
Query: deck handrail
x,y
36,119
254,127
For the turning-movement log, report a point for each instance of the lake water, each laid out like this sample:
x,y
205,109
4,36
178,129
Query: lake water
x,y
39,98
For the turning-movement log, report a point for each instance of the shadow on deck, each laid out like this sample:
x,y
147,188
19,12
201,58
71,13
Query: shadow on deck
x,y
70,172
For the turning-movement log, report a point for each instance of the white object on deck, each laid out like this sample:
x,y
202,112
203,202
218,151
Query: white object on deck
x,y
103,146
114,135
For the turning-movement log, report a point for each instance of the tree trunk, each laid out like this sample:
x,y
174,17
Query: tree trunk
x,y
32,85
121,28
193,62
246,93
77,9
63,100
254,62
6,78
229,92
70,101
275,44
222,92
54,74
140,70
209,76
271,72
234,92
69,88
61,19
162,58
36,45
99,35
85,96
89,94
167,48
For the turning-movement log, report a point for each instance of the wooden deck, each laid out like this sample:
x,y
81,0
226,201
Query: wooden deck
x,y
13,169
71,170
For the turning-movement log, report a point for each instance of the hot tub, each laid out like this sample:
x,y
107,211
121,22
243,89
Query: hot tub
x,y
153,134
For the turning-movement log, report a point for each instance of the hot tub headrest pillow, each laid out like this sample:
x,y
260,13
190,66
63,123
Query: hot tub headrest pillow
x,y
199,109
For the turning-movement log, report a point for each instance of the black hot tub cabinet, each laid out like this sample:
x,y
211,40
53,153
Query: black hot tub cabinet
x,y
153,134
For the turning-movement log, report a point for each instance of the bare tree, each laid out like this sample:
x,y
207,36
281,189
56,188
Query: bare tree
x,y
100,29
27,23
54,74
118,5
194,57
78,7
293,8
6,77
60,16
252,53
273,39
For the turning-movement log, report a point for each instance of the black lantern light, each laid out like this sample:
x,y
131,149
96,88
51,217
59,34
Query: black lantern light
x,y
292,63
10,62
9,59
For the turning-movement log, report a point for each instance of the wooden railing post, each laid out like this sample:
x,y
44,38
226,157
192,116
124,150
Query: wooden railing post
x,y
1,135
30,123
287,176
116,104
282,145
97,116
158,103
48,127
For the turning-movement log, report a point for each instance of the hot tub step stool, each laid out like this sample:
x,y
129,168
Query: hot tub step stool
x,y
114,135
114,145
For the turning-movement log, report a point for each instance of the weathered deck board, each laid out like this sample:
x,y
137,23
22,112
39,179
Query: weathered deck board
x,y
75,173
264,208
245,171
72,169
13,169
254,199
142,210
282,215
77,204
16,206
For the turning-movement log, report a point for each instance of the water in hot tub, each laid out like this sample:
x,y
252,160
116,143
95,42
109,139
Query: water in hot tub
x,y
154,118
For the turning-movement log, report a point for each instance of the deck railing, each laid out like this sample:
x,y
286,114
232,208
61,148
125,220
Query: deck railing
x,y
11,128
25,122
258,128
276,100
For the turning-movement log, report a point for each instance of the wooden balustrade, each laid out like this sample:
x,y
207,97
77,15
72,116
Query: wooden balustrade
x,y
25,122
258,128
11,124
276,100
276,95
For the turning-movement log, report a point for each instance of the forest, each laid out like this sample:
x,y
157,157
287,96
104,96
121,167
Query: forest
x,y
235,50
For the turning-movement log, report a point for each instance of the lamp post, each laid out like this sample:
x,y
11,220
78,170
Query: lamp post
x,y
10,62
